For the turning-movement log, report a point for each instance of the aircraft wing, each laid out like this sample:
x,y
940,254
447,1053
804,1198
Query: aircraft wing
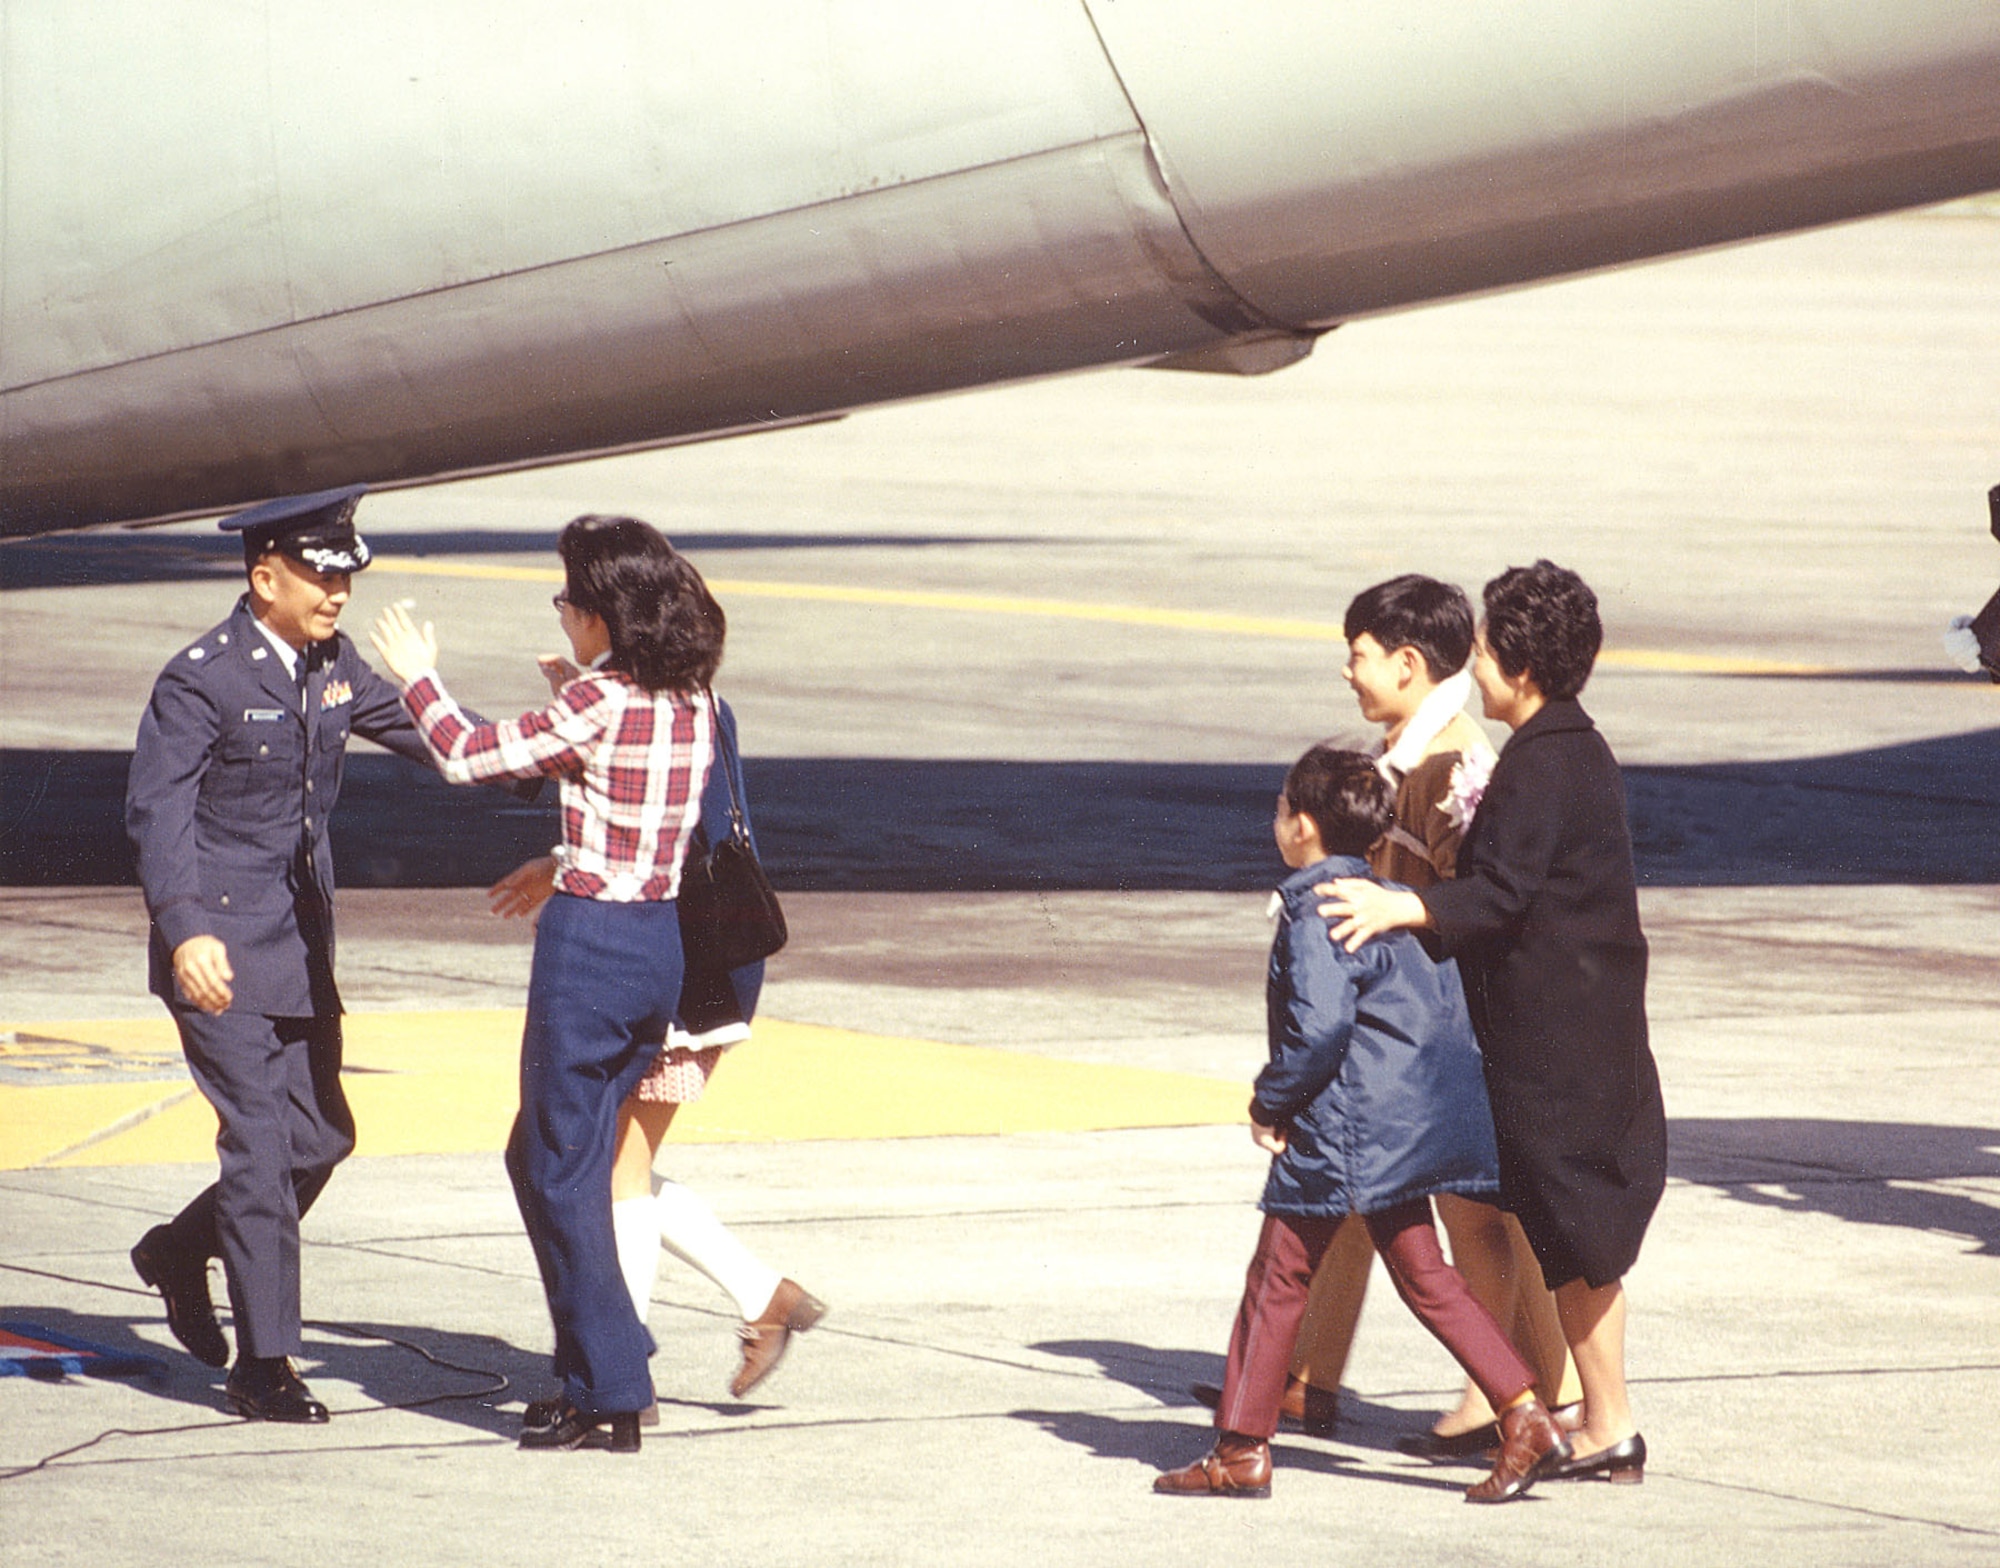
x,y
355,242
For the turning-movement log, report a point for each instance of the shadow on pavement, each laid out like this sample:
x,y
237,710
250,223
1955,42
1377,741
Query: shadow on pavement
x,y
458,1377
1915,814
1163,1445
1868,1173
1168,1375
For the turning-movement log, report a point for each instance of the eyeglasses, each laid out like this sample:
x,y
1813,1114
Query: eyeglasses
x,y
560,601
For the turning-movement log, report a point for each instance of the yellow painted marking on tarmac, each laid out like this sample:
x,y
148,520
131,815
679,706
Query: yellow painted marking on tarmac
x,y
1705,663
1081,610
38,1126
445,1083
1048,609
919,599
419,566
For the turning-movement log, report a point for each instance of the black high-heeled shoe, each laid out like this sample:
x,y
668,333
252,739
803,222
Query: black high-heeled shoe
x,y
1623,1462
571,1428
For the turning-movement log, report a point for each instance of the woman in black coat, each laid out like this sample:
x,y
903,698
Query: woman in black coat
x,y
1543,919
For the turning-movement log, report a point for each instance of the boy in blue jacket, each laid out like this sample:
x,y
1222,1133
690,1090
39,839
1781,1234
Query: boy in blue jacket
x,y
1372,1101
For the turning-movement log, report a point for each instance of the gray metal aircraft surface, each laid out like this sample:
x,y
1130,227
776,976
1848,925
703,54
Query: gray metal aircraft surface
x,y
253,250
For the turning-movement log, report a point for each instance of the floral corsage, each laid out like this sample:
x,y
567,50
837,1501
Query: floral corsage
x,y
1469,776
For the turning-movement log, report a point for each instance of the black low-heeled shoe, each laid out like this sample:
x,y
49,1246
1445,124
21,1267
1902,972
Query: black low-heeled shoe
x,y
1623,1462
573,1429
1440,1448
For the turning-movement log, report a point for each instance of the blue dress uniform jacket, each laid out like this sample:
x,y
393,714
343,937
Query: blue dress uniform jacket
x,y
1374,1073
232,782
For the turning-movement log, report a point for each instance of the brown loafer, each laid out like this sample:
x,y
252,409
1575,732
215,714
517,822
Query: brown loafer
x,y
791,1312
1531,1445
1236,1467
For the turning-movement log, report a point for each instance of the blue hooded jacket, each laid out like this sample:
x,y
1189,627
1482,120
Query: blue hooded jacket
x,y
1374,1074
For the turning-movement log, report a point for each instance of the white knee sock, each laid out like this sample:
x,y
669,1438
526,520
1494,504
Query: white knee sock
x,y
635,1226
689,1230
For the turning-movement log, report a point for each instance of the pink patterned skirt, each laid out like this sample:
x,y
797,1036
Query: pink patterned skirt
x,y
678,1075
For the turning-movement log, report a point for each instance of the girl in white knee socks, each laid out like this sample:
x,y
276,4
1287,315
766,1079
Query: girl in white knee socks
x,y
649,1212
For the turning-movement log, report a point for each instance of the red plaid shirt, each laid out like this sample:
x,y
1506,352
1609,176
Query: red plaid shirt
x,y
631,765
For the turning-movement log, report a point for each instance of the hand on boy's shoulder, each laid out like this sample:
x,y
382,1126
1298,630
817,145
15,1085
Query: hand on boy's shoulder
x,y
1357,910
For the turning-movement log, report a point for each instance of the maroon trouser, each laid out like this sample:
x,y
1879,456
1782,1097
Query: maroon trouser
x,y
1274,1304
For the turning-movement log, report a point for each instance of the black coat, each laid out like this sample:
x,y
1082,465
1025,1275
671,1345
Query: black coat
x,y
1543,919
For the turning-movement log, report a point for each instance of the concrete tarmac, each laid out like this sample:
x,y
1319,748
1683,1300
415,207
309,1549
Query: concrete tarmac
x,y
1018,672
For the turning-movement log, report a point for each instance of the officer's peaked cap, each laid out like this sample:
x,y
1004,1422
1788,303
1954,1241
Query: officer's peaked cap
x,y
316,530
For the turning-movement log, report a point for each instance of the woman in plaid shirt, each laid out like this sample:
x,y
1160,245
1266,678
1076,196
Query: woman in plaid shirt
x,y
630,741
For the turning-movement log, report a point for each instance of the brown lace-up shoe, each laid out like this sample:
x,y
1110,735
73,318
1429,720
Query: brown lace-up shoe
x,y
1237,1466
791,1312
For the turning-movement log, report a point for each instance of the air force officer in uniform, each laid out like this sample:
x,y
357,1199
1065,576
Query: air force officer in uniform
x,y
237,767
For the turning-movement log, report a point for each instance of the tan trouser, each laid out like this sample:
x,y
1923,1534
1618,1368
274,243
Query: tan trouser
x,y
1488,1248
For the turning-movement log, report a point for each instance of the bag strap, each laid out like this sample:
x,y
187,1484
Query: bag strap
x,y
725,757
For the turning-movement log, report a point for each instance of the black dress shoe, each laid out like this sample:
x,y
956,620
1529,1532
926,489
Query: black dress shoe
x,y
265,1388
545,1413
1624,1461
182,1282
573,1429
1440,1449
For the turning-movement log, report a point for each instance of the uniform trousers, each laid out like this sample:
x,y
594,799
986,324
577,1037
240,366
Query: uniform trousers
x,y
1274,1303
602,990
284,1126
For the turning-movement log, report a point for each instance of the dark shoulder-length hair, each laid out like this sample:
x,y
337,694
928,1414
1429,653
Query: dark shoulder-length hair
x,y
665,627
1543,619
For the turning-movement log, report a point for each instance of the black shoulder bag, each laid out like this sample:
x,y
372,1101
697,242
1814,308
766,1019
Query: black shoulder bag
x,y
729,914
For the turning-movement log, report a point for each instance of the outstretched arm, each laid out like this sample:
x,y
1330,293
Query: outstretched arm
x,y
468,751
410,651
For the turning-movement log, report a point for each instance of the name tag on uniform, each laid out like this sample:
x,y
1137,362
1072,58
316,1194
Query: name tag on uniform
x,y
334,693
263,715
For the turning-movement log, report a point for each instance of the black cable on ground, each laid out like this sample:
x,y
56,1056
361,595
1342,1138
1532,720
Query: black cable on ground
x,y
497,1382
